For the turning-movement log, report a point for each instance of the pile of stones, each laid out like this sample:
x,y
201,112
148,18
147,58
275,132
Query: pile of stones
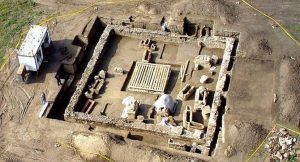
x,y
281,145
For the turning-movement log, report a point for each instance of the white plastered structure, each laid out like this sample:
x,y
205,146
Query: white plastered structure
x,y
31,52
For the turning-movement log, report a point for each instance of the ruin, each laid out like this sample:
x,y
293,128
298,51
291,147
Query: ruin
x,y
136,80
129,70
149,78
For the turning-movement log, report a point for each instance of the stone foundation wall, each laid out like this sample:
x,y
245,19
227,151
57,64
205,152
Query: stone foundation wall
x,y
139,33
110,30
137,126
96,57
219,94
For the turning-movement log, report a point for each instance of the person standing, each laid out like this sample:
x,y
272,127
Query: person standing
x,y
58,79
43,98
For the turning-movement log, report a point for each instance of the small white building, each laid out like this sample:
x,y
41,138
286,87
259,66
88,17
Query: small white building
x,y
31,52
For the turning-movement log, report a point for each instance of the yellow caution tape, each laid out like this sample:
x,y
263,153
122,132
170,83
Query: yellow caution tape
x,y
259,146
294,131
72,13
275,21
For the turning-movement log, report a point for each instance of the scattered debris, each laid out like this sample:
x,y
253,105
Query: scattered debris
x,y
203,61
214,60
153,47
140,118
212,70
56,145
274,26
102,74
96,86
119,70
204,79
292,58
281,145
265,46
229,151
275,98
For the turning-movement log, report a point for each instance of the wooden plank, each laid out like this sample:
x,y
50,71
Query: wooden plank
x,y
149,79
157,80
165,75
185,69
139,74
160,80
142,85
162,51
153,78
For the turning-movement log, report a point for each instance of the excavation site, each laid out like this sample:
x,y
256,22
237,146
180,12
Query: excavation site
x,y
155,80
159,86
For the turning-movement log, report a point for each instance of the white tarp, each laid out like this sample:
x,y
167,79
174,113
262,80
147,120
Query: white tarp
x,y
165,101
129,103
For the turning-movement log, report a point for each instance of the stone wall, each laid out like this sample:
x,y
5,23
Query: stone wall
x,y
137,126
110,30
95,59
139,33
219,94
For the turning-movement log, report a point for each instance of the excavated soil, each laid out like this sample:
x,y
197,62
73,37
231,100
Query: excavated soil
x,y
289,91
267,65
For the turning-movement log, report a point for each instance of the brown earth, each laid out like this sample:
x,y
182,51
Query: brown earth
x,y
267,63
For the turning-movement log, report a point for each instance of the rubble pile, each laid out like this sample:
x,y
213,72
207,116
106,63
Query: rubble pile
x,y
281,145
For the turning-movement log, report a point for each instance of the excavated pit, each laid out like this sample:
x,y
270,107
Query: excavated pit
x,y
116,50
87,45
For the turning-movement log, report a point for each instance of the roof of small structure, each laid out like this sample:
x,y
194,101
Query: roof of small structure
x,y
32,41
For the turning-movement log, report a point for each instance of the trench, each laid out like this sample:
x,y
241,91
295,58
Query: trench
x,y
63,98
233,55
221,111
227,82
101,64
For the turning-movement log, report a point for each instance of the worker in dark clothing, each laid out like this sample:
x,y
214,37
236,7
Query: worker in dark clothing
x,y
58,79
43,98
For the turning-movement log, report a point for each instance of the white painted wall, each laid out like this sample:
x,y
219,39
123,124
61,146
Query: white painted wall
x,y
29,63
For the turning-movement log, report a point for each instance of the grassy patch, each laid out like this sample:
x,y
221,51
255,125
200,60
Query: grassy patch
x,y
295,30
15,15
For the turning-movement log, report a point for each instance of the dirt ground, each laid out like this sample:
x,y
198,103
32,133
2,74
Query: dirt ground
x,y
267,65
117,56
